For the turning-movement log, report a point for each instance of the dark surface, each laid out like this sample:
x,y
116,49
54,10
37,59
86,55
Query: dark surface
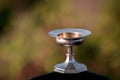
x,y
79,76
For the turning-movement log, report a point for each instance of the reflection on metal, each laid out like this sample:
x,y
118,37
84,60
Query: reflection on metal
x,y
70,37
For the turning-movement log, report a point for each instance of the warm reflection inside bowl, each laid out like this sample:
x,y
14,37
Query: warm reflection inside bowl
x,y
68,35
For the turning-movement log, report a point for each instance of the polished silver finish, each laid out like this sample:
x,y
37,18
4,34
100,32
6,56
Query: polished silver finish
x,y
70,37
70,65
83,32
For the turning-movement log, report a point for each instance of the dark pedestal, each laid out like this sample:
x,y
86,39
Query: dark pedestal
x,y
79,76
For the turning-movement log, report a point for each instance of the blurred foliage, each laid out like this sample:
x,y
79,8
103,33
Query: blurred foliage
x,y
26,50
4,20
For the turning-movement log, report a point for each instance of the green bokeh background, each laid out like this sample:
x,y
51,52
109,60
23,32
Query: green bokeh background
x,y
27,51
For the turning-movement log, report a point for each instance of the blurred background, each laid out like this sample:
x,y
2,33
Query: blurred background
x,y
26,49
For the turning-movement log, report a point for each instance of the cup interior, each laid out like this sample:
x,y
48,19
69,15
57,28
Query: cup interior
x,y
69,35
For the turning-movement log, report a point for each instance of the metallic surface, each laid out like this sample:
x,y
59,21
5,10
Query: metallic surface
x,y
70,37
83,32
